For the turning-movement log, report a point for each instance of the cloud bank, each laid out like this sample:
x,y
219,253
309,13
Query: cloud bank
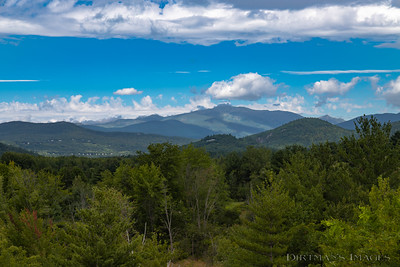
x,y
203,22
75,109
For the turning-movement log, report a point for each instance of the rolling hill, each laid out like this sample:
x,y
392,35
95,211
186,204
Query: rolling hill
x,y
223,119
303,132
63,138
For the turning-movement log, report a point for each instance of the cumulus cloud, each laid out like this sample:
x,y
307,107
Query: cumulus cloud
x,y
209,23
332,87
145,104
391,92
128,91
76,109
249,86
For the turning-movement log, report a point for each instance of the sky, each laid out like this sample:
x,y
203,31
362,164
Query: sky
x,y
98,60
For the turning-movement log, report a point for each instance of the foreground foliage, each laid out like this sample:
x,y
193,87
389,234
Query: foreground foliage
x,y
334,204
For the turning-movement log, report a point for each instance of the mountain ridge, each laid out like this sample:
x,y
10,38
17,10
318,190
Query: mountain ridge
x,y
222,119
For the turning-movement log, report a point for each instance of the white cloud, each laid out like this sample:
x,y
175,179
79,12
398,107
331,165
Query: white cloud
x,y
332,87
128,91
391,92
182,72
350,106
145,104
339,72
249,86
294,104
94,108
208,24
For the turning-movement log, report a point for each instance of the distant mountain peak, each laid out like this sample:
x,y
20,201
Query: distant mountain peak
x,y
332,120
153,117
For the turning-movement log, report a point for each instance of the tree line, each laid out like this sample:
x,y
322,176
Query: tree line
x,y
332,204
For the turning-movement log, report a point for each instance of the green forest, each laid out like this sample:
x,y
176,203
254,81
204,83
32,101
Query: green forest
x,y
330,204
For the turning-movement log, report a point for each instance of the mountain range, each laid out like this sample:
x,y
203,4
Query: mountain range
x,y
223,119
223,128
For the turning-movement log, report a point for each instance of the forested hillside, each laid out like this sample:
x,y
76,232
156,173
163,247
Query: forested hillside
x,y
332,204
304,132
8,148
65,139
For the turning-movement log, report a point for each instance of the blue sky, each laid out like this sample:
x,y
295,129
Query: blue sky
x,y
91,60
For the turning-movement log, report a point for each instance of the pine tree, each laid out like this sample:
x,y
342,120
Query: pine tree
x,y
103,236
263,237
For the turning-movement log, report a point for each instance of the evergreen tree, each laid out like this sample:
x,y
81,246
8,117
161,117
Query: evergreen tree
x,y
263,237
103,236
369,153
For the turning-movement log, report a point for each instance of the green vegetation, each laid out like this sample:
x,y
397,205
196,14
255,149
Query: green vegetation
x,y
329,204
304,132
66,139
7,148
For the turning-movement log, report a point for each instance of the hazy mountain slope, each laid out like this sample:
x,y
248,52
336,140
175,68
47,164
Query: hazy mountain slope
x,y
166,128
223,119
385,117
331,119
64,138
119,123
